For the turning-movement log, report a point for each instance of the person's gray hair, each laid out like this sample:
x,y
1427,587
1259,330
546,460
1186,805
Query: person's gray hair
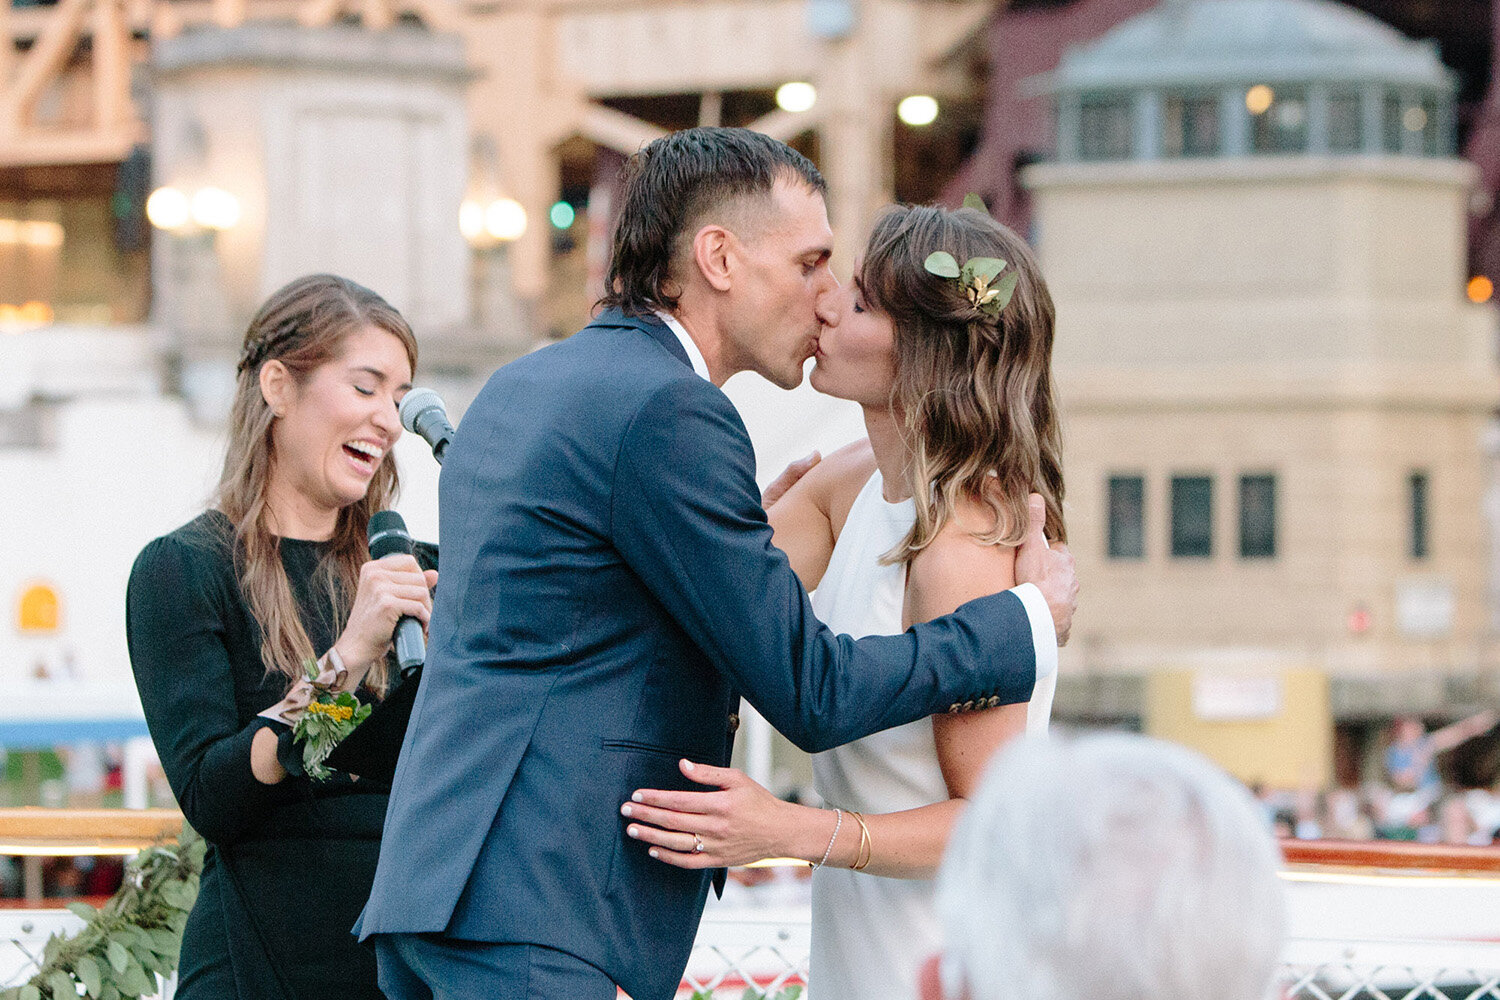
x,y
1110,867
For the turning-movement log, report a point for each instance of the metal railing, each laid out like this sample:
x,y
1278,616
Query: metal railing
x,y
1423,951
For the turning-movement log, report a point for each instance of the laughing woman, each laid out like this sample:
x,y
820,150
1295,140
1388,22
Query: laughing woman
x,y
224,613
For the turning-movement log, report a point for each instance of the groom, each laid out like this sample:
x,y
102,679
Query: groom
x,y
610,590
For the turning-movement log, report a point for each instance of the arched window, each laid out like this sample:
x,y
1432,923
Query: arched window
x,y
39,609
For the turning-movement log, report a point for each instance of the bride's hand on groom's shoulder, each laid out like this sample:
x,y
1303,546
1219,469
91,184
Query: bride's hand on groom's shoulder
x,y
735,823
1050,568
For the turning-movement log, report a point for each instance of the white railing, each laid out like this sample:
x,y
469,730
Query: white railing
x,y
1357,932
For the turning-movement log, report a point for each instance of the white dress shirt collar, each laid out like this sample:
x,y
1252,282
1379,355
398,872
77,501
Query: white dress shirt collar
x,y
695,356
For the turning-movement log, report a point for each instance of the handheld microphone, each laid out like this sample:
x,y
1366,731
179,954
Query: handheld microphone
x,y
388,536
423,413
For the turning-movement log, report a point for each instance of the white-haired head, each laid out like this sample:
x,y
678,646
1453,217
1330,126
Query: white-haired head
x,y
1110,867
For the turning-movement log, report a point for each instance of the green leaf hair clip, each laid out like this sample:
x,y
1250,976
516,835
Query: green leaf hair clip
x,y
976,277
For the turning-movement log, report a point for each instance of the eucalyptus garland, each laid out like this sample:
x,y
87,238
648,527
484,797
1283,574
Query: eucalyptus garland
x,y
129,941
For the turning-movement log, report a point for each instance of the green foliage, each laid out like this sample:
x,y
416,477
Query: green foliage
x,y
326,721
942,264
792,992
133,938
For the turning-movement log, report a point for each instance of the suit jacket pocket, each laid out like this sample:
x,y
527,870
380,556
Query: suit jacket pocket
x,y
632,765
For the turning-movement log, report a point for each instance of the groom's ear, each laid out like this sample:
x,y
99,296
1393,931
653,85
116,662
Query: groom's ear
x,y
713,249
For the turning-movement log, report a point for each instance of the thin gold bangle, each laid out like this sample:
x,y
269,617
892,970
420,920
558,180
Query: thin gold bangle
x,y
866,845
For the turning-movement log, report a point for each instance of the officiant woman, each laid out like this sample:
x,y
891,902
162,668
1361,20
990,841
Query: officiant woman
x,y
225,614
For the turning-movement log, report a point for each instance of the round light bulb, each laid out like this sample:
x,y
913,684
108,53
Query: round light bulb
x,y
215,208
562,215
796,97
1481,289
168,208
505,219
471,220
1259,98
918,110
1415,119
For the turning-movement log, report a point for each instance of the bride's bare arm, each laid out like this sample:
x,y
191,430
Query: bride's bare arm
x,y
806,518
741,822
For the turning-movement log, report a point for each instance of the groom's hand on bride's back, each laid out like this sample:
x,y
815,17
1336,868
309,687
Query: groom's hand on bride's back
x,y
1050,568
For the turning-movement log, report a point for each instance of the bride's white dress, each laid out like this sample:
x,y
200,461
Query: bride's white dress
x,y
871,934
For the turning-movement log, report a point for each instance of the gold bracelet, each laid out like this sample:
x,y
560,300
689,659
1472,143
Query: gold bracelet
x,y
866,847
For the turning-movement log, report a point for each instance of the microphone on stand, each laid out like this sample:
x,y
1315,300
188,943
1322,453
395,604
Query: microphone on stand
x,y
388,536
423,413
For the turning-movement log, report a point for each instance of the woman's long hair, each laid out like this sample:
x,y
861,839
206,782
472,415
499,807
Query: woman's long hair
x,y
973,394
303,326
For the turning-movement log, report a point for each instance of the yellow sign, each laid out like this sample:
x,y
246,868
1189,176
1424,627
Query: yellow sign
x,y
39,609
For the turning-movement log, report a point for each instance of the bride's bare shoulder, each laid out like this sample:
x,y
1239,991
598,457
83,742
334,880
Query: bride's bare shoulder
x,y
841,476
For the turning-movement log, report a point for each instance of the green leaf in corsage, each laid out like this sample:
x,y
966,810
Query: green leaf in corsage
x,y
328,719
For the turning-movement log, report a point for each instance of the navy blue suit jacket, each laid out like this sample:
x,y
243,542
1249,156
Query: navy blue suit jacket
x,y
609,588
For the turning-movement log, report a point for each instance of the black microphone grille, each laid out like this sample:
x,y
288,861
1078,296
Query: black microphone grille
x,y
388,534
417,402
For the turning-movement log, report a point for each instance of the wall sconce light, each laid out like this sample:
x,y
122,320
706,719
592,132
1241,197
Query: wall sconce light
x,y
210,208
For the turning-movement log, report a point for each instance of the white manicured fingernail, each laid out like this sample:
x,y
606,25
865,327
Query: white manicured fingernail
x,y
631,831
637,797
653,853
687,765
624,810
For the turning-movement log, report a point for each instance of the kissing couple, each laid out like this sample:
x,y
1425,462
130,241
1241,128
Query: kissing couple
x,y
614,583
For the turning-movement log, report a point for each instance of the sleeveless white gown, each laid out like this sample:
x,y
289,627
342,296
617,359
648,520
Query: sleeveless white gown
x,y
871,934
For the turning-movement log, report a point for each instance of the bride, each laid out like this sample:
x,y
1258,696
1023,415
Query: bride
x,y
949,357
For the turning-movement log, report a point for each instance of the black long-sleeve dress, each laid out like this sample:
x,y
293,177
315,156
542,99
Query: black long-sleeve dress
x,y
289,865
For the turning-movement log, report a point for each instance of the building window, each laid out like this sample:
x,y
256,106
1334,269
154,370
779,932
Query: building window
x,y
1417,493
1428,116
1104,127
1258,517
1190,125
1281,126
1127,517
1395,128
1192,516
1346,122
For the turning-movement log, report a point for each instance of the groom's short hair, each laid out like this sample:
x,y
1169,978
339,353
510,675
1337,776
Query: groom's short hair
x,y
672,184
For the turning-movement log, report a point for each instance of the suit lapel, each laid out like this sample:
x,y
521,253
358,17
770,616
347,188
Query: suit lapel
x,y
649,325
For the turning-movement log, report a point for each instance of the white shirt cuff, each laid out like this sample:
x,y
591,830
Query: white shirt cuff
x,y
1043,632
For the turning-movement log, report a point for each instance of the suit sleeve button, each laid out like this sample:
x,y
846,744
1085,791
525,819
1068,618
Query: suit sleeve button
x,y
969,706
954,708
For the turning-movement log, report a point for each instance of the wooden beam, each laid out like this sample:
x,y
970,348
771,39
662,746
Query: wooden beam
x,y
617,130
229,13
377,15
318,13
43,62
33,831
33,148
111,64
787,125
7,45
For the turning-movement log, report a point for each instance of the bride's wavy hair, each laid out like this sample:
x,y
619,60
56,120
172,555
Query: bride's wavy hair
x,y
973,393
303,325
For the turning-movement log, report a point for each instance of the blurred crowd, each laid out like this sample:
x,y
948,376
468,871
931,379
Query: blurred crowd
x,y
1409,800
